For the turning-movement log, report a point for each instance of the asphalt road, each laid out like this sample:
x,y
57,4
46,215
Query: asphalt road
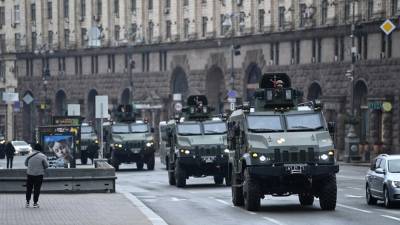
x,y
202,202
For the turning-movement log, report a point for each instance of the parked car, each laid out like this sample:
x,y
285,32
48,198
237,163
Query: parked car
x,y
383,180
21,147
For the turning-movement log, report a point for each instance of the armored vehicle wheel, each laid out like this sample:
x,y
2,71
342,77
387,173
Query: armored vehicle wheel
x,y
84,157
171,178
237,191
328,193
180,175
218,179
370,200
251,193
139,165
114,162
306,199
151,162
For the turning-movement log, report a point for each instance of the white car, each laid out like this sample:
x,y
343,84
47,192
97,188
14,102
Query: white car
x,y
21,147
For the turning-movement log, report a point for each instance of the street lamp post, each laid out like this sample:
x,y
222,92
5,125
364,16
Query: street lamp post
x,y
351,140
44,52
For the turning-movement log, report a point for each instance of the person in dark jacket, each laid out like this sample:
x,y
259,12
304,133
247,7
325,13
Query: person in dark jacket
x,y
10,151
37,164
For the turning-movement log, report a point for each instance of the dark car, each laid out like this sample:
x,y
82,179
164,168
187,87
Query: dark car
x,y
383,180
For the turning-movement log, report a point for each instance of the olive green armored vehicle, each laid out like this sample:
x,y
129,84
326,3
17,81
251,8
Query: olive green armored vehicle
x,y
130,140
281,148
197,145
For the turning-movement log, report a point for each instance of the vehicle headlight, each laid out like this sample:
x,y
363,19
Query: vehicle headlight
x,y
185,151
324,157
263,158
2,141
149,144
118,145
396,184
226,151
96,141
260,157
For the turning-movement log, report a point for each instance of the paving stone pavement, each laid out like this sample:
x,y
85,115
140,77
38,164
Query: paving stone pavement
x,y
71,209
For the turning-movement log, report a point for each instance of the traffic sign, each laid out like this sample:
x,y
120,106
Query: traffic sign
x,y
28,99
178,107
10,97
232,94
101,106
388,27
232,106
232,100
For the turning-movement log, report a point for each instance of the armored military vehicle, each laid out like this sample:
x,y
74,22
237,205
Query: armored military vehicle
x,y
88,140
197,145
129,140
281,148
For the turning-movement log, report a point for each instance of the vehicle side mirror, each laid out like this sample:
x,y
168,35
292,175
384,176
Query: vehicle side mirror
x,y
331,127
380,171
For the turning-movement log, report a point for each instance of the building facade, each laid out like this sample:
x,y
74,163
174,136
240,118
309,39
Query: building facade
x,y
68,51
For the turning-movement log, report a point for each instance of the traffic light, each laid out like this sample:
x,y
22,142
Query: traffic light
x,y
236,49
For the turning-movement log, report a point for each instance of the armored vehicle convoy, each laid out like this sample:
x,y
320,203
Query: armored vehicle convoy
x,y
280,148
130,141
197,145
88,141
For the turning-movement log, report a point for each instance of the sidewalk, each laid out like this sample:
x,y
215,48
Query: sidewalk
x,y
71,209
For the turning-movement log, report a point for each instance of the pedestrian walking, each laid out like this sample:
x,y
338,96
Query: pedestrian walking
x,y
37,164
10,151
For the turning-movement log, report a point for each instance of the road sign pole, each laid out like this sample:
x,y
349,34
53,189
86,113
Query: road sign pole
x,y
101,133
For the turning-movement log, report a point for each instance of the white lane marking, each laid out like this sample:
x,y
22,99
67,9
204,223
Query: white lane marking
x,y
252,213
389,211
355,188
350,177
150,214
353,208
391,217
177,199
222,201
354,196
273,221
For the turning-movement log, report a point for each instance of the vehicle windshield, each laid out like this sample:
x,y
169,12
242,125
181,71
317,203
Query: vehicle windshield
x,y
120,129
304,122
214,128
189,129
394,165
264,123
19,143
86,129
139,128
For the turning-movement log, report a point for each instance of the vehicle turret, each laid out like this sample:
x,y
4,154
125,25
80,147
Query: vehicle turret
x,y
124,113
197,108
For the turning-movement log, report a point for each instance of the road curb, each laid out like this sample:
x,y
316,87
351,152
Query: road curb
x,y
150,214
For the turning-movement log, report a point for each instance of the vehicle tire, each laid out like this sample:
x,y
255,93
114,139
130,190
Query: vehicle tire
x,y
370,199
306,199
251,193
139,165
237,191
386,200
180,176
151,163
84,157
328,193
218,179
228,180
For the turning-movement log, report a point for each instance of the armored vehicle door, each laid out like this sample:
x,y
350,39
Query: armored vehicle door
x,y
236,140
171,143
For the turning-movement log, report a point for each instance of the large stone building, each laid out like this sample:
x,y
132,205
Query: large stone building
x,y
185,46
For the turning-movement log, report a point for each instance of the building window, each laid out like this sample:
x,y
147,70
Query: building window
x,y
389,46
303,8
3,43
33,12
61,64
66,8
116,32
370,9
150,5
134,31
314,50
324,11
34,41
83,36
186,28
133,6
185,3
271,53
394,7
336,55
99,8
347,9
17,41
50,38
221,24
365,46
151,29
148,61
95,64
116,8
111,63
168,29
261,15
165,61
292,52
342,47
277,53
298,52
83,8
2,16
66,38
319,50
49,10
17,14
204,26
281,20
143,62
167,4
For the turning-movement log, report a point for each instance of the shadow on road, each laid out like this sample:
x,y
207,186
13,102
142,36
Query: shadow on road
x,y
200,186
289,208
